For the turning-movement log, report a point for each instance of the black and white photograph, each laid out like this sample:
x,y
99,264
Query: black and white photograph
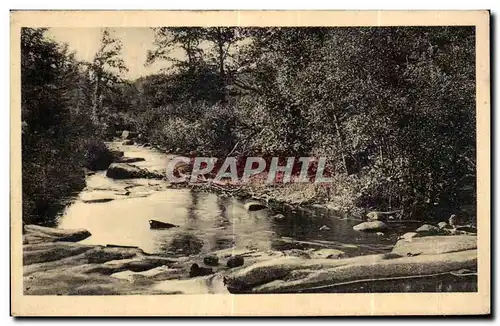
x,y
221,159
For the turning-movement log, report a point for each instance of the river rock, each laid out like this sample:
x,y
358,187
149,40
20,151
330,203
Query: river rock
x,y
466,228
129,159
154,224
324,228
117,153
126,134
161,273
37,234
197,270
372,226
127,171
381,216
373,216
55,266
146,145
428,229
443,225
254,206
98,196
128,142
97,200
432,245
280,268
365,270
408,236
278,217
456,220
225,253
97,156
327,254
291,274
51,251
211,260
235,261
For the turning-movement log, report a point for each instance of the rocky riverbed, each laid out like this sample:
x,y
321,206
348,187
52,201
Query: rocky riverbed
x,y
55,263
105,243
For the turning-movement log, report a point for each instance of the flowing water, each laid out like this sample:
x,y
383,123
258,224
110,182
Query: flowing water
x,y
207,221
117,212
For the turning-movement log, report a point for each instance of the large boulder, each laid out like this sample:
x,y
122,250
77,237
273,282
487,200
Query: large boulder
x,y
435,245
65,268
372,226
44,252
127,171
37,234
290,274
97,156
369,272
126,134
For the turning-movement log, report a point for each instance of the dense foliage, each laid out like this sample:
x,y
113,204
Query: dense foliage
x,y
392,108
58,136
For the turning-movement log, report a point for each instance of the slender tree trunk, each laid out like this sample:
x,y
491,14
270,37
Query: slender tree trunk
x,y
97,95
222,73
341,143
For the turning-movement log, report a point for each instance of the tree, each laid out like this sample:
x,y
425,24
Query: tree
x,y
51,155
224,40
167,39
106,69
206,58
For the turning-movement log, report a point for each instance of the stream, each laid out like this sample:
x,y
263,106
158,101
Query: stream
x,y
117,212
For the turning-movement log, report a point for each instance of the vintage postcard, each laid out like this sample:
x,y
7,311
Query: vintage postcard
x,y
250,163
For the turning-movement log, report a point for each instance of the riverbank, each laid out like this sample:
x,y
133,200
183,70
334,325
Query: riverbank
x,y
224,245
55,263
342,197
297,196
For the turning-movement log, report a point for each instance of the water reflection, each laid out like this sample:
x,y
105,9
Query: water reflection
x,y
206,221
